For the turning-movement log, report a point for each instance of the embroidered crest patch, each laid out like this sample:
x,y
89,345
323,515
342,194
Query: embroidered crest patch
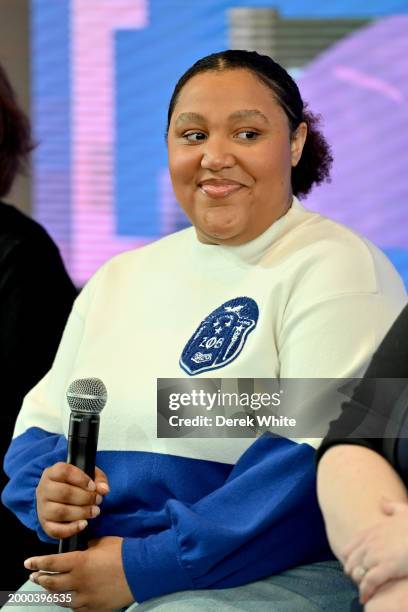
x,y
221,337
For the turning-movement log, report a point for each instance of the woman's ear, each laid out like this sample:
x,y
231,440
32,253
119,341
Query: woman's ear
x,y
297,142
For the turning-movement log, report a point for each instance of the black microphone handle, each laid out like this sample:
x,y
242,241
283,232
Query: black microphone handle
x,y
82,444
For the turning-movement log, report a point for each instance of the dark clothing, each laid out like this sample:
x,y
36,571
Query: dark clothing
x,y
36,295
375,414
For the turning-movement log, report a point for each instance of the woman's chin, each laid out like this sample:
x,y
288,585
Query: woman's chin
x,y
222,229
217,235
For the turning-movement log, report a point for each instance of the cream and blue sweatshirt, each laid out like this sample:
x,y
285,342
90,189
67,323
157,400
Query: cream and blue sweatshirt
x,y
306,299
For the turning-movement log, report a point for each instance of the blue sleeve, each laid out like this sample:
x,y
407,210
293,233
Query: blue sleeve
x,y
26,459
263,520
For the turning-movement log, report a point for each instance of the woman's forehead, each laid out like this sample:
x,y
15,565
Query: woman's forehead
x,y
234,94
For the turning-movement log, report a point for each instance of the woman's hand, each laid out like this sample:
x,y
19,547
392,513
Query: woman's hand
x,y
67,498
391,597
380,553
95,576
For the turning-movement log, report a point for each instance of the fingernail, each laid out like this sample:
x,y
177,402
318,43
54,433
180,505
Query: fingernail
x,y
82,524
27,563
104,487
95,511
31,577
99,499
91,485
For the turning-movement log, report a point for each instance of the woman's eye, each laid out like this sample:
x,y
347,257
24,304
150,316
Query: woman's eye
x,y
194,136
247,135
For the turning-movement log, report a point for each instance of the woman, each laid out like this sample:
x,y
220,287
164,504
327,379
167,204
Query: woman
x,y
369,534
36,296
199,515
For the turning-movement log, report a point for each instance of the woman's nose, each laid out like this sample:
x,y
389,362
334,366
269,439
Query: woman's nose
x,y
216,157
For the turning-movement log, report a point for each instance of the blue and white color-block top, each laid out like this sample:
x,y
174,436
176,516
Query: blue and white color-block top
x,y
308,298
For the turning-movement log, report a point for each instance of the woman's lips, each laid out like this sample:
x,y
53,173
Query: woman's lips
x,y
219,190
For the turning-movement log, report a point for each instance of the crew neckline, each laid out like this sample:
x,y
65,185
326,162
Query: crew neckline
x,y
252,251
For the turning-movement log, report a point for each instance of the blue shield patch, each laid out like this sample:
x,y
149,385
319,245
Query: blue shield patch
x,y
221,337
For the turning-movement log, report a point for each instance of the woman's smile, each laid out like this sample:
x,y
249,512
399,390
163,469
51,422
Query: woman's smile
x,y
219,188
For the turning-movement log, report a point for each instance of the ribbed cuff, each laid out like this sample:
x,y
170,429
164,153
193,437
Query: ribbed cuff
x,y
152,566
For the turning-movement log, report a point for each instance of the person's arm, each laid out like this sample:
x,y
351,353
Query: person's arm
x,y
353,474
258,523
351,482
262,520
365,419
253,526
356,474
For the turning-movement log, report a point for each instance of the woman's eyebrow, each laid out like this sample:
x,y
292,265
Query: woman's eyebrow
x,y
186,117
252,113
246,113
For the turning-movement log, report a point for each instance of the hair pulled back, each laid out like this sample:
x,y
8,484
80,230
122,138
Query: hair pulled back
x,y
315,162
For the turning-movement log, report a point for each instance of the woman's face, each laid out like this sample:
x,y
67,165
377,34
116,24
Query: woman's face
x,y
230,156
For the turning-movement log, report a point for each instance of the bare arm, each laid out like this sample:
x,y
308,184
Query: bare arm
x,y
351,481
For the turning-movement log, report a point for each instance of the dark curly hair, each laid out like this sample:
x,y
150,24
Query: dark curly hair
x,y
15,136
316,160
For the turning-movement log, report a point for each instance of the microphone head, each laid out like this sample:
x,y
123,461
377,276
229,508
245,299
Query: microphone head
x,y
87,395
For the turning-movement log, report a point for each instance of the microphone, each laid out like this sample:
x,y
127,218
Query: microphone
x,y
86,398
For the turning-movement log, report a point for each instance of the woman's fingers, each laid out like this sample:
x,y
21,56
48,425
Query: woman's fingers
x,y
60,531
68,494
70,474
56,573
60,563
354,543
354,564
63,513
67,498
101,482
373,579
